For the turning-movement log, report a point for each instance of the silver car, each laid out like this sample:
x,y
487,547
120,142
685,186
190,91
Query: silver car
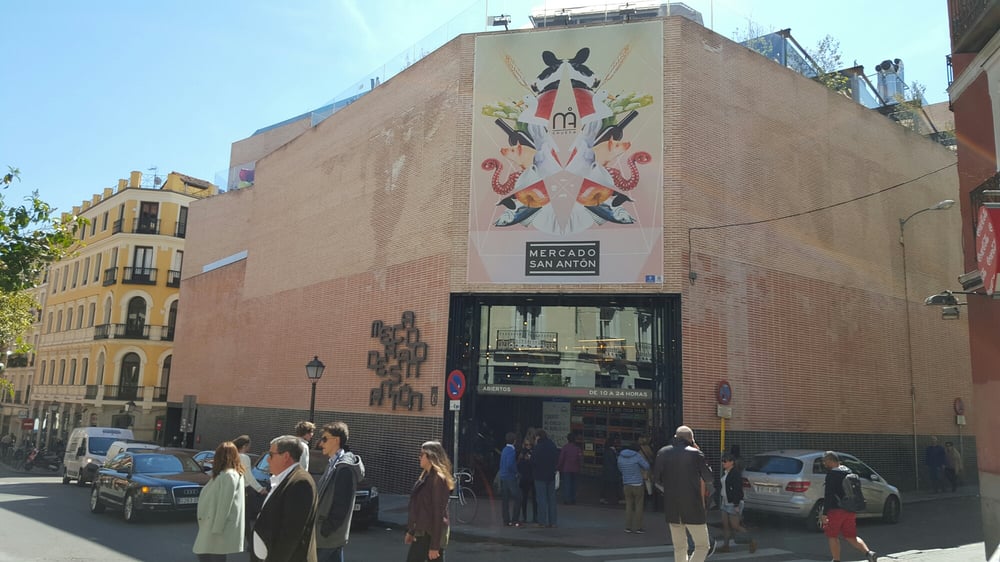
x,y
791,483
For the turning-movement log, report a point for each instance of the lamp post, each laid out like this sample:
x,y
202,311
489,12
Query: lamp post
x,y
940,206
129,407
314,370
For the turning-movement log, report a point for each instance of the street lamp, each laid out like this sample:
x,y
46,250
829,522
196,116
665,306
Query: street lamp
x,y
314,370
940,206
129,407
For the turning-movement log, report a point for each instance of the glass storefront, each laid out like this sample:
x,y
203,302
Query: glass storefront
x,y
605,367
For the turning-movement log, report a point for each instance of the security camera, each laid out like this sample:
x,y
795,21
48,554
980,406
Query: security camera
x,y
971,281
945,298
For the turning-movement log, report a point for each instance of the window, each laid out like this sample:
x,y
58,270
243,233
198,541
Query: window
x,y
43,373
93,226
100,369
142,263
129,376
91,313
55,281
62,371
76,272
165,373
97,268
182,219
65,276
135,324
48,329
107,311
148,215
79,317
72,371
86,271
84,363
69,318
104,225
59,320
52,371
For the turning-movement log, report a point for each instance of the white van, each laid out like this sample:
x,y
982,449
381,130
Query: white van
x,y
87,450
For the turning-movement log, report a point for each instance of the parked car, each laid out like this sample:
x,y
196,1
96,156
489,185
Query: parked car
x,y
148,481
791,483
205,458
366,502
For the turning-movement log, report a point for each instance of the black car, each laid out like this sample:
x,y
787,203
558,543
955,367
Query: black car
x,y
365,499
142,481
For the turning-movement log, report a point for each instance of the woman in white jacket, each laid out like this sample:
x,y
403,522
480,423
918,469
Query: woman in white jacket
x,y
221,508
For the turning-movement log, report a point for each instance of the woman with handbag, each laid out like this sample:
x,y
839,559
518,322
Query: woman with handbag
x,y
427,528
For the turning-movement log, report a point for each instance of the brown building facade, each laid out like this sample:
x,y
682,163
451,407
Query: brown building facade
x,y
764,224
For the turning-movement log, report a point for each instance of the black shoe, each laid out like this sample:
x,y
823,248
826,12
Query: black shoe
x,y
872,557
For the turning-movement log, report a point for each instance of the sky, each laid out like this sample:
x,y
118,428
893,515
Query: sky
x,y
93,90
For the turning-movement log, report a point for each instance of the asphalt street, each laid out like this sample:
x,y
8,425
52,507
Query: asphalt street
x,y
41,520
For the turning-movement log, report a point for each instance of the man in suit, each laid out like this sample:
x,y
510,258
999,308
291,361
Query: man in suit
x,y
284,530
680,469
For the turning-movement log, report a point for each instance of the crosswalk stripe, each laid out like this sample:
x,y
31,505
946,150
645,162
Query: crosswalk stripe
x,y
661,550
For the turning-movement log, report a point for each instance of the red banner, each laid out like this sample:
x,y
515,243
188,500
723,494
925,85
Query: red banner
x,y
986,246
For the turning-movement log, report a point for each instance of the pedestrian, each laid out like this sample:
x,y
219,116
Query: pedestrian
x,y
569,464
611,477
336,489
304,431
953,464
221,507
632,465
427,528
254,491
731,503
509,489
683,473
545,456
284,529
838,522
5,442
935,459
526,479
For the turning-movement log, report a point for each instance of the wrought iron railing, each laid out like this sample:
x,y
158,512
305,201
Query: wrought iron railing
x,y
139,275
121,331
526,340
146,226
120,392
90,393
173,278
159,394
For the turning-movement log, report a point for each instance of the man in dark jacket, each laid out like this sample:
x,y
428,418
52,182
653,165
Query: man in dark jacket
x,y
336,489
681,470
545,458
284,529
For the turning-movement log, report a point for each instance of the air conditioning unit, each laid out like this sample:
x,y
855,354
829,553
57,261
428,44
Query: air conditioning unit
x,y
971,281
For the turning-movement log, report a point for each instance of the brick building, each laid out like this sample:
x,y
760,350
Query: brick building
x,y
725,219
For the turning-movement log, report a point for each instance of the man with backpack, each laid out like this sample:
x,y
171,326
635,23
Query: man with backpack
x,y
841,501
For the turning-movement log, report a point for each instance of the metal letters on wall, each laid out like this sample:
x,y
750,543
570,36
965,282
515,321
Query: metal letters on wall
x,y
399,359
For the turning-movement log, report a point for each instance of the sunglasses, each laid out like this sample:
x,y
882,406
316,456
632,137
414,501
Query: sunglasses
x,y
324,439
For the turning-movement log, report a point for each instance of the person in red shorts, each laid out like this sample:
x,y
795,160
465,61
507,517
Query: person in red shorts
x,y
839,522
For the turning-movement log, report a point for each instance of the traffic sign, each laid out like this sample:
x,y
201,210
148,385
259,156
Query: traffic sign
x,y
455,386
724,393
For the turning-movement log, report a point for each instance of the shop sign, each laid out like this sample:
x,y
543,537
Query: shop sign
x,y
565,392
986,246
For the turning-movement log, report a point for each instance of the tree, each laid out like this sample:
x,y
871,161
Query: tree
x,y
30,238
16,316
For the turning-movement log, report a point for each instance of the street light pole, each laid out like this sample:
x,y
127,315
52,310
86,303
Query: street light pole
x,y
314,370
940,206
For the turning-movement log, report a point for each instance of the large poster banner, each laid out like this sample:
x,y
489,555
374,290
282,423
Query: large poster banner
x,y
567,149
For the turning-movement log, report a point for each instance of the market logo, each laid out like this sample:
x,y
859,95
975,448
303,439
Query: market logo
x,y
399,359
562,258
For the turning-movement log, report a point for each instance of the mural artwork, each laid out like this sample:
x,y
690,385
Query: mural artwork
x,y
567,157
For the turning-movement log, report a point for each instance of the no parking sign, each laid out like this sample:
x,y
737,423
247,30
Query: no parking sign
x,y
455,387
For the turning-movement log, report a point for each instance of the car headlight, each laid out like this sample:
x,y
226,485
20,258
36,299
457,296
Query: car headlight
x,y
373,493
89,460
153,490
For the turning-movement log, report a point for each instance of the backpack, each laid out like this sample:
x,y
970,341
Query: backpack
x,y
853,499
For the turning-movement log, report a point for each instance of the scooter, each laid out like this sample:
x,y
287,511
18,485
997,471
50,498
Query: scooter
x,y
42,459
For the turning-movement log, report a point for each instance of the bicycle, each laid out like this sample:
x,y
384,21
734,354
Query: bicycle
x,y
463,503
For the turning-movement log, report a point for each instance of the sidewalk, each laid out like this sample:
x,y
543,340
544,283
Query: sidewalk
x,y
580,526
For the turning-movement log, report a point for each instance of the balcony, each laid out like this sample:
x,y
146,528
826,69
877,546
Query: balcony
x,y
110,276
146,225
139,275
173,278
180,231
18,360
166,333
121,331
118,392
973,23
159,393
91,392
524,340
116,226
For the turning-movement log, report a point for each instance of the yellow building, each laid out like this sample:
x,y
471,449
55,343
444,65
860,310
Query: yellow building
x,y
106,330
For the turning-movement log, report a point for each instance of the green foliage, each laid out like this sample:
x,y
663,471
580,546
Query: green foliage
x,y
16,316
827,58
6,389
31,237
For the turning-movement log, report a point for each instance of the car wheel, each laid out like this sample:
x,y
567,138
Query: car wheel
x,y
96,506
813,522
65,476
890,513
129,511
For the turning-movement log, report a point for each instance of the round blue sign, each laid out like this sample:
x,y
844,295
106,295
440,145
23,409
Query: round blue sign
x,y
455,387
724,393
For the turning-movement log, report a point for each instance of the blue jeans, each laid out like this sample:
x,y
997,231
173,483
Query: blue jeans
x,y
546,492
330,554
567,481
511,503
